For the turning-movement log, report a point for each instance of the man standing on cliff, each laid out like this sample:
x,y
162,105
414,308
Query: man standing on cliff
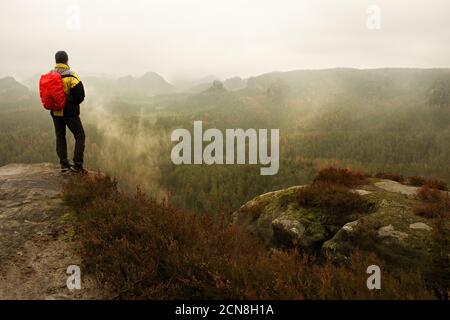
x,y
69,116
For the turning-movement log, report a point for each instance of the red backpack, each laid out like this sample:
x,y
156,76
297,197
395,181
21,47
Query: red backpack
x,y
52,91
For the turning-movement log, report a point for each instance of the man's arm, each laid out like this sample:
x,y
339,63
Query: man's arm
x,y
77,90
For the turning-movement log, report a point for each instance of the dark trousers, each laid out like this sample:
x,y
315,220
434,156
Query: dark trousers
x,y
76,127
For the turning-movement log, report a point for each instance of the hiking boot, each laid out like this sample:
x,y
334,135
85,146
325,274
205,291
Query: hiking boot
x,y
78,169
65,167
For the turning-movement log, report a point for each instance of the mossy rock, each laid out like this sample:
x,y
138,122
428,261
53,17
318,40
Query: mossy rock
x,y
395,234
392,230
277,220
257,214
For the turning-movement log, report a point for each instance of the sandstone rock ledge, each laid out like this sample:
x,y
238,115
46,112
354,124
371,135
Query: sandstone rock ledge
x,y
35,250
392,230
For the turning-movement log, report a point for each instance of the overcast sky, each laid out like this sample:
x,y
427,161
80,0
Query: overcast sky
x,y
194,38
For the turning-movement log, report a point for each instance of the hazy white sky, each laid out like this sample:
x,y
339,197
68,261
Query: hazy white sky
x,y
194,38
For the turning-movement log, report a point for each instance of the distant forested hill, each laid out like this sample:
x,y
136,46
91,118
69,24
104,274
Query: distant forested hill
x,y
12,91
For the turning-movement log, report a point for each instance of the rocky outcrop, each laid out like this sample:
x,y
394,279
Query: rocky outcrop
x,y
36,244
396,187
391,230
277,220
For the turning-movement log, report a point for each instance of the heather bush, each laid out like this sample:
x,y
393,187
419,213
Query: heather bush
x,y
434,184
341,176
334,199
80,191
436,203
433,195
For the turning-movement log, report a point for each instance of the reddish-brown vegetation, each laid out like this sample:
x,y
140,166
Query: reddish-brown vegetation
x,y
144,249
341,176
436,203
334,199
431,183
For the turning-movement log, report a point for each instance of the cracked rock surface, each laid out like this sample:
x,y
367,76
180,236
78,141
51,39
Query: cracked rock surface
x,y
34,255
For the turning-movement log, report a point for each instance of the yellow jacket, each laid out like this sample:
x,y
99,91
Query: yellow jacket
x,y
74,90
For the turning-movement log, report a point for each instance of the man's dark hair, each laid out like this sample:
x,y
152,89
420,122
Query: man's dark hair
x,y
61,57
